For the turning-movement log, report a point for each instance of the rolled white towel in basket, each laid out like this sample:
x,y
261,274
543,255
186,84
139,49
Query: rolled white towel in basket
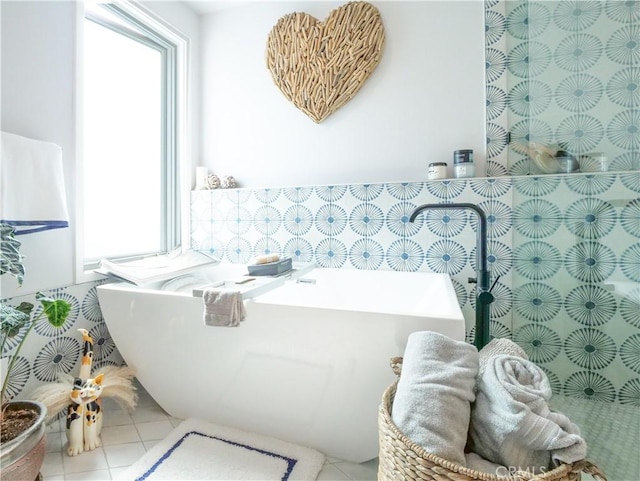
x,y
511,423
497,347
432,404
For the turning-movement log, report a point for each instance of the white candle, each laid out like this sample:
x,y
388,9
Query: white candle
x,y
201,176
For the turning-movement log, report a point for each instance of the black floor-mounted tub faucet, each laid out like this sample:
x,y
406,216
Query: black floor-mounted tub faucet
x,y
484,297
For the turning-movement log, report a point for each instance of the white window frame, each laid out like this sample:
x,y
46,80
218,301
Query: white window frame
x,y
177,198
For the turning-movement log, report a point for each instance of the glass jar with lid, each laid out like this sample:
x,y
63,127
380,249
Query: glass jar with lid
x,y
437,170
463,165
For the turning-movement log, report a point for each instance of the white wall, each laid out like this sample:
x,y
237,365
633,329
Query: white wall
x,y
38,81
38,99
424,100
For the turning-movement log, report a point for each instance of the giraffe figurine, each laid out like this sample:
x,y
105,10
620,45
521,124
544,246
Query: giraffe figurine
x,y
74,419
87,355
81,398
84,414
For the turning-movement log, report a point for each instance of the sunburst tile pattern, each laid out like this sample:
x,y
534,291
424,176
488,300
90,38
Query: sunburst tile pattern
x,y
563,252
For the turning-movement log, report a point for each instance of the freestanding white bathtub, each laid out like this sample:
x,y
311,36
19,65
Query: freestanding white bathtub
x,y
309,363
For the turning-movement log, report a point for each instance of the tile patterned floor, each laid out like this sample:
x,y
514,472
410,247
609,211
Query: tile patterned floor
x,y
126,437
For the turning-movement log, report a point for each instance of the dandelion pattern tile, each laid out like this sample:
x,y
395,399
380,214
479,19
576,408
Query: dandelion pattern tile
x,y
590,348
541,343
572,70
630,353
630,308
590,261
537,260
557,241
299,250
590,305
20,374
590,385
630,392
566,246
55,351
537,302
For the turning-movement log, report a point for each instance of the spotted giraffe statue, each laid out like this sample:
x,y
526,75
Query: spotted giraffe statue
x,y
84,414
87,355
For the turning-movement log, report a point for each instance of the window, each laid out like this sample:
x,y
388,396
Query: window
x,y
131,129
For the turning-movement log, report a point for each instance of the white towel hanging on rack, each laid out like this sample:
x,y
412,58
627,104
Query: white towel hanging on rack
x,y
32,184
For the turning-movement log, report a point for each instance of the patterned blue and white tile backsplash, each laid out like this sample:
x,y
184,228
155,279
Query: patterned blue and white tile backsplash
x,y
562,72
566,248
50,351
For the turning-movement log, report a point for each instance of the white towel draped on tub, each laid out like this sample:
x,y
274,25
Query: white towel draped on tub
x,y
432,405
223,307
511,423
33,193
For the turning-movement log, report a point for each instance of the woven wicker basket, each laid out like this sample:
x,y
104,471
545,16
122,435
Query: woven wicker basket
x,y
401,459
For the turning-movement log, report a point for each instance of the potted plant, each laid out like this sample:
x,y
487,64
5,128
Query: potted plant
x,y
21,422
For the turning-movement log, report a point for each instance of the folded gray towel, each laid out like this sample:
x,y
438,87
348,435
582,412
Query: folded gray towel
x,y
222,307
432,404
496,347
478,463
511,423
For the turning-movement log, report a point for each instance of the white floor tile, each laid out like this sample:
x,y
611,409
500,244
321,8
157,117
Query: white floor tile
x,y
110,404
154,430
55,441
126,437
149,414
123,455
52,464
149,444
359,472
116,418
55,427
175,421
331,460
119,434
145,400
117,474
97,475
329,472
85,462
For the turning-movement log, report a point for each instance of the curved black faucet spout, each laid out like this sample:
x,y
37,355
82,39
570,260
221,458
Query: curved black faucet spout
x,y
483,295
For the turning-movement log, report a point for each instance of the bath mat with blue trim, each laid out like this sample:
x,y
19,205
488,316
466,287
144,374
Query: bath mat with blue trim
x,y
202,451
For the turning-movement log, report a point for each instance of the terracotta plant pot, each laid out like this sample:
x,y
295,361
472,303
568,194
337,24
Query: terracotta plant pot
x,y
22,457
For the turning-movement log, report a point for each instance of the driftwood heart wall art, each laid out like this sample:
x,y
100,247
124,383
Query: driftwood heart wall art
x,y
320,66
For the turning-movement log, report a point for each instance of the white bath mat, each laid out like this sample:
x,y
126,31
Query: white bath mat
x,y
201,450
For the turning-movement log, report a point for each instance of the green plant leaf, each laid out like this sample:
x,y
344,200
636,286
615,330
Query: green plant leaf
x,y
56,310
25,307
13,319
10,257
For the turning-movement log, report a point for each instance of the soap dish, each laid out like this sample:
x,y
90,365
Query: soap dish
x,y
270,268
